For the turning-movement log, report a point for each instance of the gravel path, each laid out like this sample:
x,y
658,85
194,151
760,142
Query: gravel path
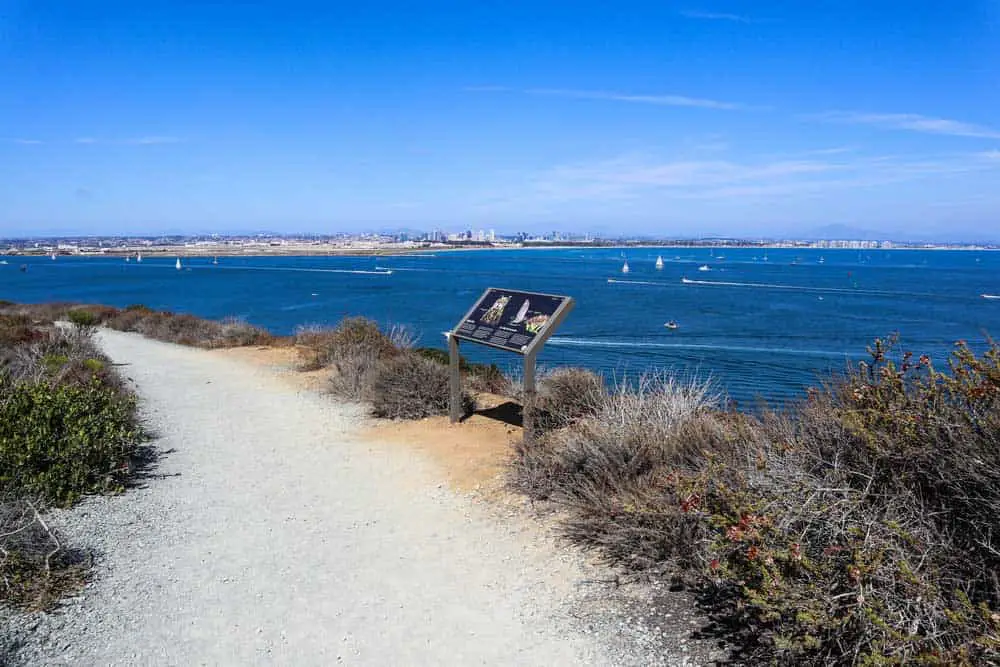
x,y
271,535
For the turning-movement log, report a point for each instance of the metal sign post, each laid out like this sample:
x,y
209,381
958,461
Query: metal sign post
x,y
514,321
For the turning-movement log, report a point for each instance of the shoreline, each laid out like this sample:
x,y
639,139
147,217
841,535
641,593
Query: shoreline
x,y
161,252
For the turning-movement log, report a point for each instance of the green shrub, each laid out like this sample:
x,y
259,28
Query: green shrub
x,y
410,386
61,441
84,319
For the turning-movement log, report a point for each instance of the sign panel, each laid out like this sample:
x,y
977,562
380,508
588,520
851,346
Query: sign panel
x,y
511,320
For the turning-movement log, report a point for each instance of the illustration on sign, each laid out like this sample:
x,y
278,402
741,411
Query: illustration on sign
x,y
508,320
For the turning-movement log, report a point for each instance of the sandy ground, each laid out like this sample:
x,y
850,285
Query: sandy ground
x,y
469,456
276,530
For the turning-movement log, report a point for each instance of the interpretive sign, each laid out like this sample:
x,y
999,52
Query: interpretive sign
x,y
511,320
508,320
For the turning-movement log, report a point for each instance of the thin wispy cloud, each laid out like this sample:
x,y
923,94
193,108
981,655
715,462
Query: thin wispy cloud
x,y
658,100
151,140
23,142
148,141
715,16
666,100
911,122
632,177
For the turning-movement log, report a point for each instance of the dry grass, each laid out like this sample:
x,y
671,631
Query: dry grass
x,y
36,567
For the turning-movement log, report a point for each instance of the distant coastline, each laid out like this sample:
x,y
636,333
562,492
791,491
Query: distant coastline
x,y
311,249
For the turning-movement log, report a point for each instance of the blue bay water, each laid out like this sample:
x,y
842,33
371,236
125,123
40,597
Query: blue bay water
x,y
759,326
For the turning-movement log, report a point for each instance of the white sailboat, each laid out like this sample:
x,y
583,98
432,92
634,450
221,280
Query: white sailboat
x,y
625,268
178,264
659,262
53,257
138,257
215,260
704,267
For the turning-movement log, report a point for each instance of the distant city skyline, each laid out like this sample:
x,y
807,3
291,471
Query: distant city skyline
x,y
666,119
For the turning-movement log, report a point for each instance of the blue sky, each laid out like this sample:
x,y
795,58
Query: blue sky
x,y
670,117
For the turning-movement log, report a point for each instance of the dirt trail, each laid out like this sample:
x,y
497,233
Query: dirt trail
x,y
276,535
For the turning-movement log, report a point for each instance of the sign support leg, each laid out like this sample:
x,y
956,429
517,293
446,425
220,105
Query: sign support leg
x,y
455,402
528,410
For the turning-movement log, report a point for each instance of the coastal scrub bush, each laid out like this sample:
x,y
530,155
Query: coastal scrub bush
x,y
237,332
128,318
83,319
353,336
185,329
487,378
58,442
410,386
353,350
35,566
611,437
67,428
857,527
567,394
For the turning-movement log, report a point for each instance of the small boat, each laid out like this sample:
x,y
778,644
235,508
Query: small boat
x,y
138,257
990,296
687,281
127,259
178,264
53,256
24,268
3,261
625,268
821,260
704,267
671,325
659,262
215,261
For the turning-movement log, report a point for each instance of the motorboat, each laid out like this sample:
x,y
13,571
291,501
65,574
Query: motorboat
x,y
704,267
671,325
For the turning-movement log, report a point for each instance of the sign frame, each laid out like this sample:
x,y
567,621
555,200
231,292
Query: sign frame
x,y
528,352
538,340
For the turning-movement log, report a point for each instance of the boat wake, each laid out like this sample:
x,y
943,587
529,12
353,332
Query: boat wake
x,y
807,288
990,296
636,282
594,342
368,272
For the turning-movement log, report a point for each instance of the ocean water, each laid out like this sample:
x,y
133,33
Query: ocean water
x,y
762,325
